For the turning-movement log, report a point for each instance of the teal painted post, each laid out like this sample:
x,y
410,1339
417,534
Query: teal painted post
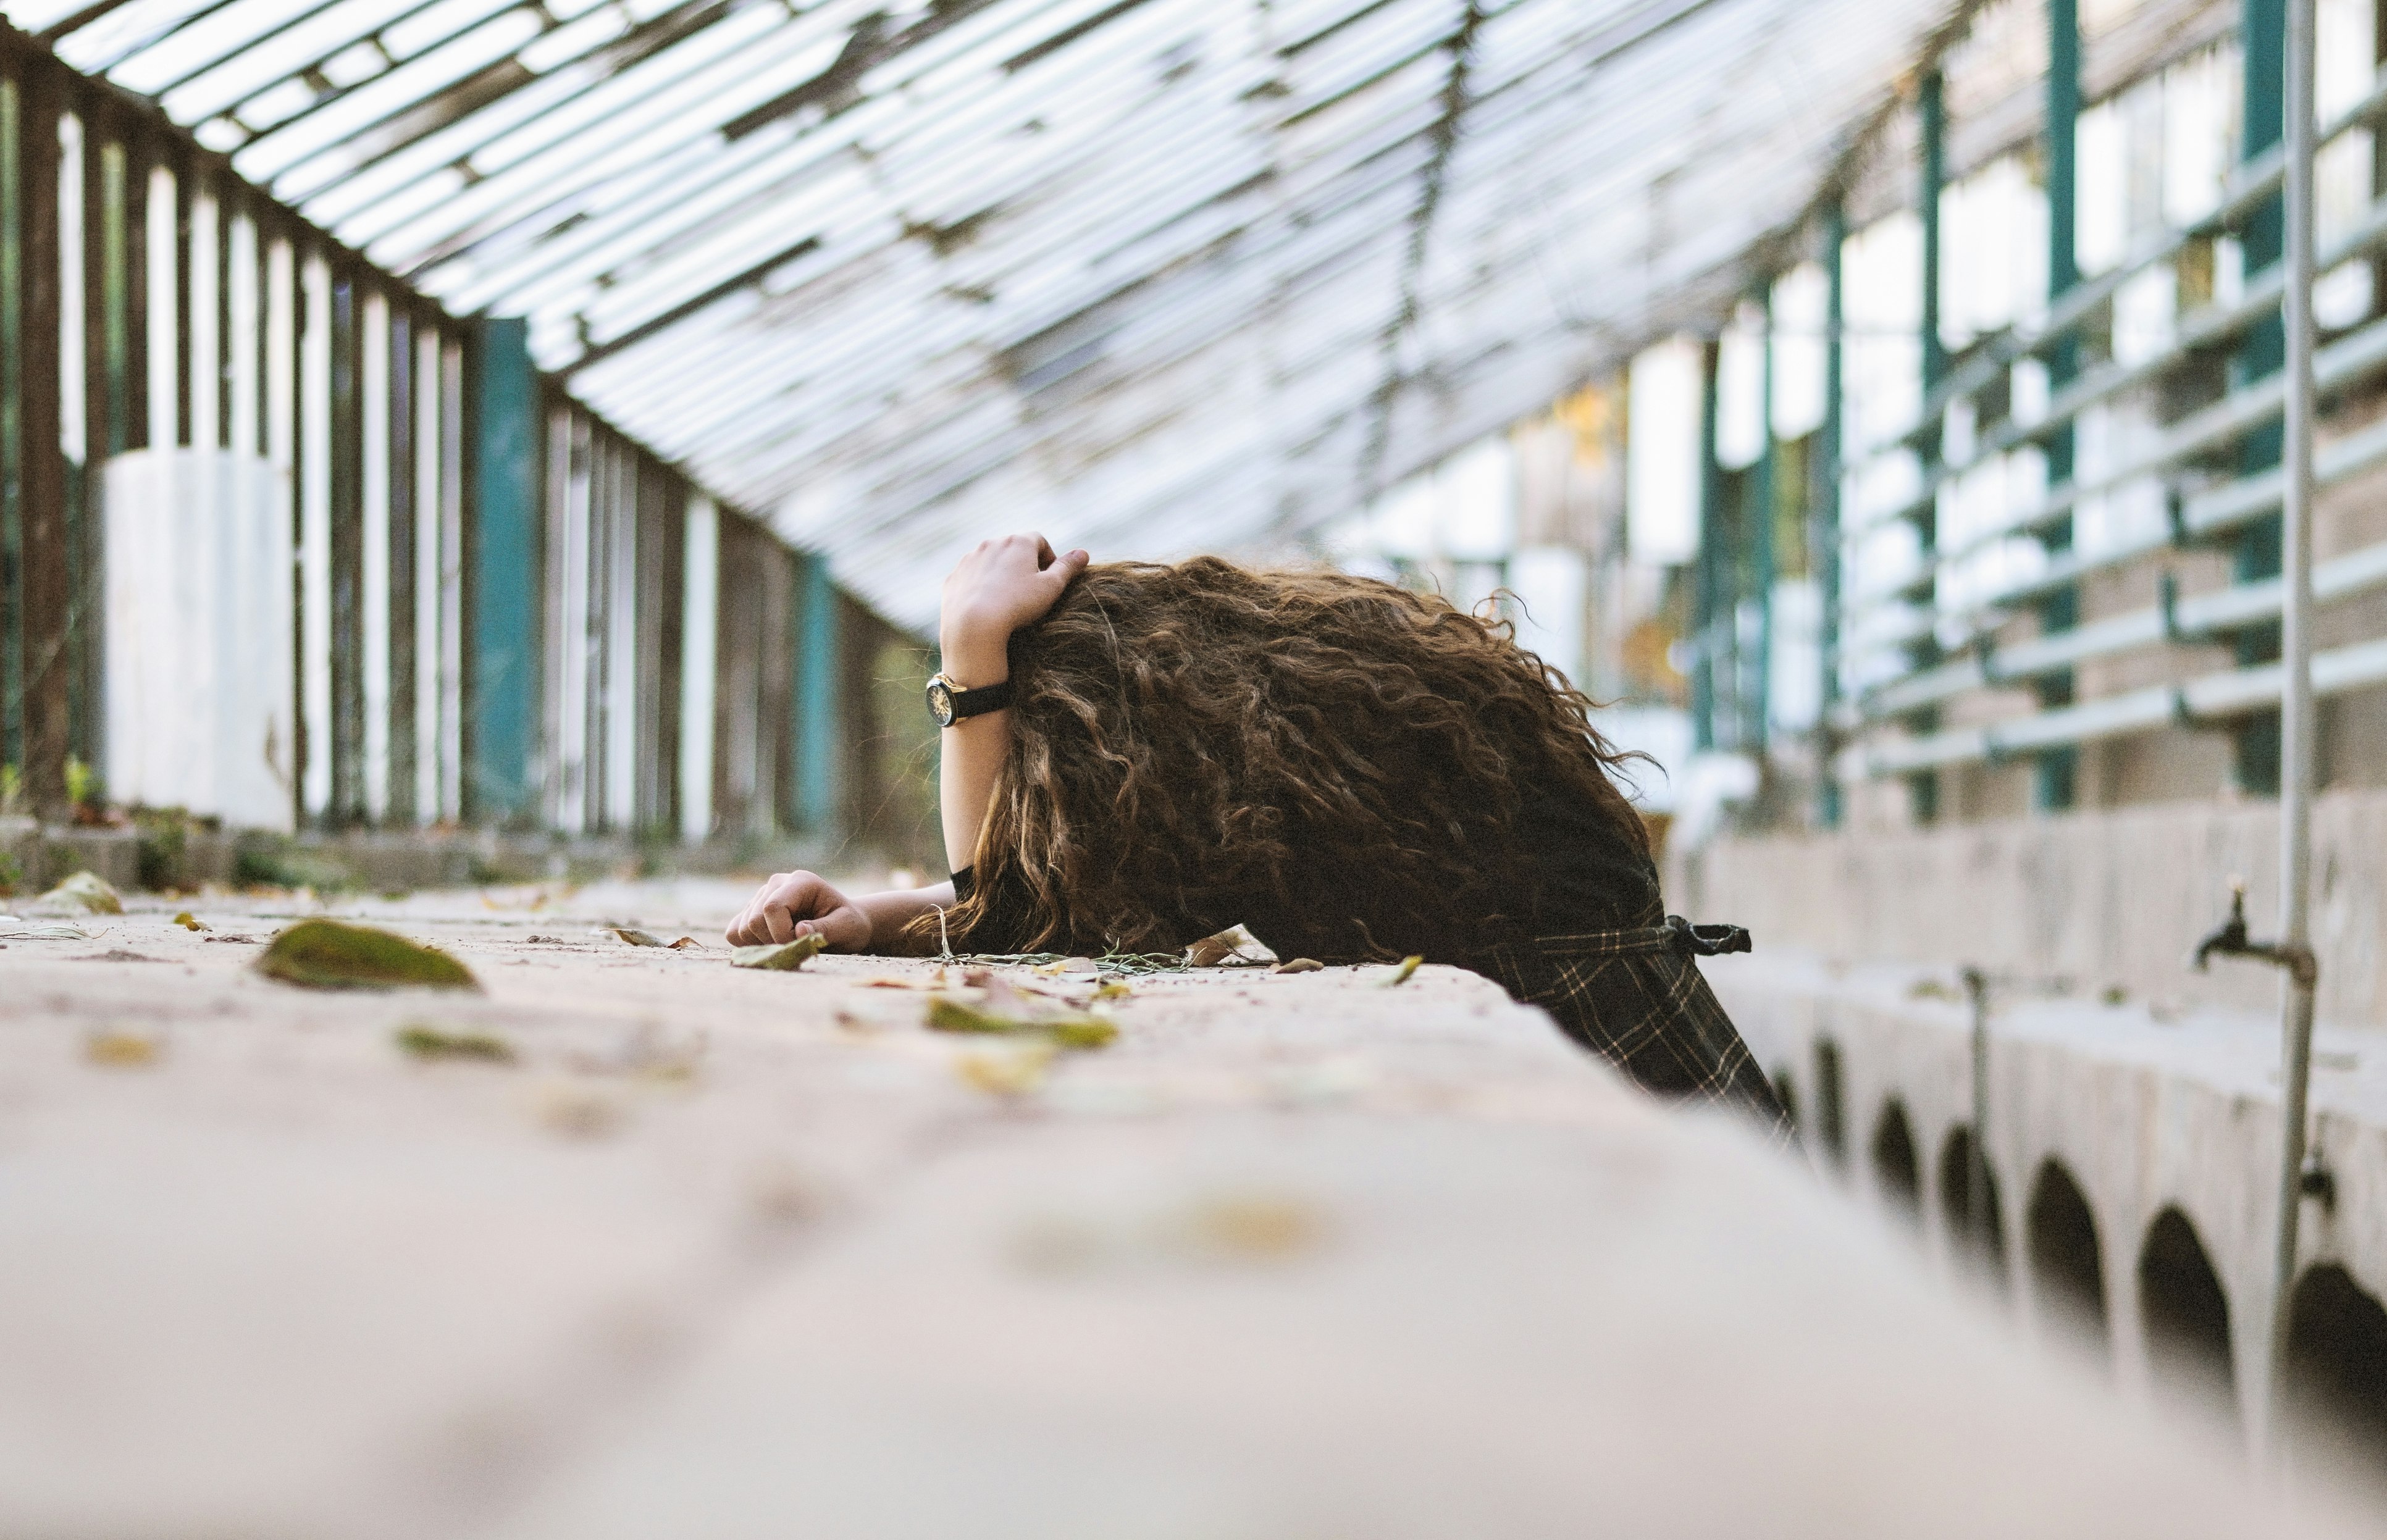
x,y
2264,48
1825,523
2055,772
1931,109
1705,595
503,542
820,741
1756,684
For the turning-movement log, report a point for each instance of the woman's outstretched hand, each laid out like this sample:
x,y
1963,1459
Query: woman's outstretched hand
x,y
996,589
798,903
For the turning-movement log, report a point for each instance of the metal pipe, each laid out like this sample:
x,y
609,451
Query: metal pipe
x,y
2296,706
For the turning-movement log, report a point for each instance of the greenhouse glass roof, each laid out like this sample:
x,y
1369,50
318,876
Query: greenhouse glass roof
x,y
1152,275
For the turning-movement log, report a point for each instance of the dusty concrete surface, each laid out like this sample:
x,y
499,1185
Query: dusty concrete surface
x,y
734,1253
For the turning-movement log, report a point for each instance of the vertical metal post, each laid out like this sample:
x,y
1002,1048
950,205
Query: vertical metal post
x,y
48,600
2055,772
1825,522
1706,595
503,575
2263,45
819,742
1976,1171
2296,715
1756,693
1931,111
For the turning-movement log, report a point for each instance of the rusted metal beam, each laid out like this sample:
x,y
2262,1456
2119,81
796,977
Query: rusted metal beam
x,y
48,593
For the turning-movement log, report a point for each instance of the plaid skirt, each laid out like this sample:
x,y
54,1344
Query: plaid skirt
x,y
1637,999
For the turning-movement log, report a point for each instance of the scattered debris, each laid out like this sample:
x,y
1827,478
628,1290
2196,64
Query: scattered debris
x,y
786,958
1009,1072
328,955
543,941
632,935
1111,988
1409,966
189,921
117,954
1000,1010
236,940
118,1050
420,1041
85,892
1224,1228
1300,965
578,1111
1233,947
14,930
1082,966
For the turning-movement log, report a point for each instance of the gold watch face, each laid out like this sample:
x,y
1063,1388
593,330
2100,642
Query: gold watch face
x,y
940,700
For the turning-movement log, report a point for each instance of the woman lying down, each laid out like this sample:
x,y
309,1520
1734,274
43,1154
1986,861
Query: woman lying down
x,y
1137,756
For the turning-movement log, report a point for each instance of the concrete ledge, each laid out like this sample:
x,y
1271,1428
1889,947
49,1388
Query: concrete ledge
x,y
732,1254
2145,1108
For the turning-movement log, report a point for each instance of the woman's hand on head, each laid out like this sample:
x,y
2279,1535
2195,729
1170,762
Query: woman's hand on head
x,y
999,588
799,903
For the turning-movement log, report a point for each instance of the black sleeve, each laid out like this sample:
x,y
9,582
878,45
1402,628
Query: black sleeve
x,y
1002,931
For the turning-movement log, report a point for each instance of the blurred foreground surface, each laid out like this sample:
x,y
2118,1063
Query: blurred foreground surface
x,y
726,1254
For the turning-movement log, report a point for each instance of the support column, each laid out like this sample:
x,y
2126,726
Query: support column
x,y
47,616
503,573
1930,108
2055,772
1825,522
1705,596
2255,763
1757,668
820,787
700,621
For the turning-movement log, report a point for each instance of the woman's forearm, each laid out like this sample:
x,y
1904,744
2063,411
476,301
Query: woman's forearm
x,y
892,914
970,751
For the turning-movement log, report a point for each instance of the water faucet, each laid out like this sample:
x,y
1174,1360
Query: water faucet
x,y
2232,940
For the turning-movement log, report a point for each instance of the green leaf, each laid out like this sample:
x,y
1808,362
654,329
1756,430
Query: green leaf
x,y
328,955
786,958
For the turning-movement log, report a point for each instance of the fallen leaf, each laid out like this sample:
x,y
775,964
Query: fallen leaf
x,y
120,1049
578,1111
328,955
685,943
1076,1030
1006,1072
1401,974
1233,947
1111,988
423,1041
634,935
189,921
786,958
1299,964
13,929
86,892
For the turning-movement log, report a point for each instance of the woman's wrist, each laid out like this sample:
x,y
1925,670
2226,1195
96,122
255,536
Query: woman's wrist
x,y
975,657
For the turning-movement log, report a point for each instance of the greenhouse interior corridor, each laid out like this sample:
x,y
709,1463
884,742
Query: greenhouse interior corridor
x,y
485,486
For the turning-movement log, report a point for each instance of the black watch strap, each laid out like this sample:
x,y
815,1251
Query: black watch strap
x,y
978,701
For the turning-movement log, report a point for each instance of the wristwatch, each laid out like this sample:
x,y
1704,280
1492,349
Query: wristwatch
x,y
948,702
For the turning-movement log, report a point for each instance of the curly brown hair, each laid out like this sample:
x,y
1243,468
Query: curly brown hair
x,y
1336,760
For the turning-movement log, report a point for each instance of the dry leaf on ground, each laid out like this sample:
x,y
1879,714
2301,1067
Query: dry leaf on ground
x,y
1401,974
419,1041
189,921
786,958
120,1049
86,892
1300,965
328,955
634,935
1233,947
